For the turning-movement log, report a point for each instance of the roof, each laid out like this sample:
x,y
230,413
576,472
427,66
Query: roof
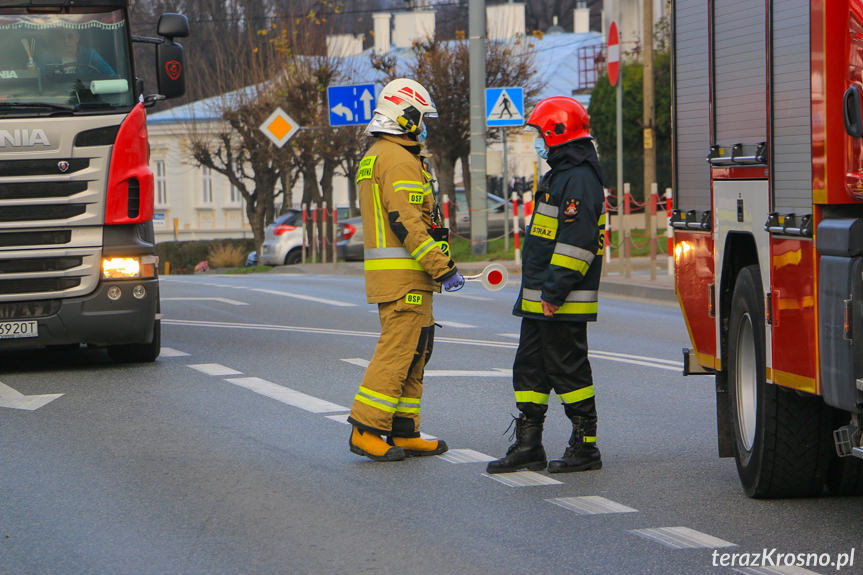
x,y
557,63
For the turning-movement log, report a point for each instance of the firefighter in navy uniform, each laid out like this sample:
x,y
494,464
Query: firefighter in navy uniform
x,y
561,268
405,263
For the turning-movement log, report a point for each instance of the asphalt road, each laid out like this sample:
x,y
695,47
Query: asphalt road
x,y
229,454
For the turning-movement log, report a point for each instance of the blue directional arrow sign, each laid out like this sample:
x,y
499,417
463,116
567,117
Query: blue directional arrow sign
x,y
351,105
504,107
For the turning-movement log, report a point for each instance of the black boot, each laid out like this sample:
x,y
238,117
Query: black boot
x,y
527,451
582,453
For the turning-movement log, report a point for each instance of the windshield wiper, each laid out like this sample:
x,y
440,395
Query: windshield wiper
x,y
36,105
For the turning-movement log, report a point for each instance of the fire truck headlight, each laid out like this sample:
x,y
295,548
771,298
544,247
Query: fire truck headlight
x,y
118,268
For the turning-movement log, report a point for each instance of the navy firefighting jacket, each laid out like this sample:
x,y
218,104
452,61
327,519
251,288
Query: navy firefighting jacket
x,y
563,248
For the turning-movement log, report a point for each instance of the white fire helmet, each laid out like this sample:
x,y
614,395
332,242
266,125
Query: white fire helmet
x,y
407,103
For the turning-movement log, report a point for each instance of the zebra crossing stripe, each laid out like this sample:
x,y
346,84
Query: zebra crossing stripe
x,y
465,456
523,479
215,369
682,538
591,505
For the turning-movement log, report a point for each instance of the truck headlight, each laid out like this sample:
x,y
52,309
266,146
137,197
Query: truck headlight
x,y
120,268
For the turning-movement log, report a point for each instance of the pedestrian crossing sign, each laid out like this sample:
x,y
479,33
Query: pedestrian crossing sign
x,y
504,107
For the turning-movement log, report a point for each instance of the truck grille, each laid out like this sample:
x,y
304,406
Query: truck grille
x,y
16,168
32,190
39,265
41,285
40,212
29,309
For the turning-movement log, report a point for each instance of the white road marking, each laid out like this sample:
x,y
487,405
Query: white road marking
x,y
171,352
657,363
14,399
466,296
591,505
453,323
332,302
339,417
287,395
494,372
783,570
523,479
215,369
465,456
218,299
512,335
682,538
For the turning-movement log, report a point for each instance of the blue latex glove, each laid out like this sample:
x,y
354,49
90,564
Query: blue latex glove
x,y
453,283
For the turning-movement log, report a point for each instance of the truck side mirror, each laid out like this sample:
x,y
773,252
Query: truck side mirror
x,y
852,112
171,69
173,26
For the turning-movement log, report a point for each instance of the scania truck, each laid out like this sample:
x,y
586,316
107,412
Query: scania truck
x,y
768,232
77,251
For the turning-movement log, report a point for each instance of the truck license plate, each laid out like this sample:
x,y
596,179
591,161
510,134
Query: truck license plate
x,y
16,329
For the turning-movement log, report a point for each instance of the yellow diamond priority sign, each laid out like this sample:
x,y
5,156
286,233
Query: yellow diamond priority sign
x,y
279,127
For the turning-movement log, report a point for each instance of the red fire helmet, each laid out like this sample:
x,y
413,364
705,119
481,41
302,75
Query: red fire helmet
x,y
560,119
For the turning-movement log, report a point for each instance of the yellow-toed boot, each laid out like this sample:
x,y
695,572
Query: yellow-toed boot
x,y
372,446
417,446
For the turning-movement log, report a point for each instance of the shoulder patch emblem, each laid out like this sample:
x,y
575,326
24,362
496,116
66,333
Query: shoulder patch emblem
x,y
571,207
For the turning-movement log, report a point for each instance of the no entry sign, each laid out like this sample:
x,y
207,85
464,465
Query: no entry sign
x,y
613,54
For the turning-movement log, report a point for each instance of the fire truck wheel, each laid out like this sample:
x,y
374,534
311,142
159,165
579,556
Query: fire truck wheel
x,y
781,437
138,352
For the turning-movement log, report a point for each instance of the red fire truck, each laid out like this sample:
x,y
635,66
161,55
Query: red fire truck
x,y
768,232
77,253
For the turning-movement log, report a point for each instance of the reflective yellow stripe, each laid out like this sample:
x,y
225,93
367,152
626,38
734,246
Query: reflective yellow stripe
x,y
577,395
543,226
408,405
380,231
588,439
601,221
393,264
376,399
531,397
423,249
574,308
570,263
408,186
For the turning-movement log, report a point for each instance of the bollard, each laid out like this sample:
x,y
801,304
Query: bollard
x,y
607,248
335,227
446,211
314,235
324,233
627,241
168,268
305,231
653,200
669,231
515,227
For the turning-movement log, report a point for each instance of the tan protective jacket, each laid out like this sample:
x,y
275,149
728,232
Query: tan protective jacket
x,y
396,202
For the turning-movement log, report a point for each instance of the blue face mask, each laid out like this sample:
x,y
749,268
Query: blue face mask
x,y
422,137
539,146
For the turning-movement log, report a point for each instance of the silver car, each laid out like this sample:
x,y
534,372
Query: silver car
x,y
283,240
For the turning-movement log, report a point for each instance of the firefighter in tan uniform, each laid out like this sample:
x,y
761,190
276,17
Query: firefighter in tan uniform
x,y
404,266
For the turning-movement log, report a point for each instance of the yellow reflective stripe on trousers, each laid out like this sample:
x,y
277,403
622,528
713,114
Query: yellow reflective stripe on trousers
x,y
531,397
577,395
408,405
423,249
380,230
588,439
376,399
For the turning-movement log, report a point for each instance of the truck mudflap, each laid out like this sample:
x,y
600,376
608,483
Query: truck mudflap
x,y
840,312
96,319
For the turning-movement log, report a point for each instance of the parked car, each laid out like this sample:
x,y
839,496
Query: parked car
x,y
349,239
497,212
283,240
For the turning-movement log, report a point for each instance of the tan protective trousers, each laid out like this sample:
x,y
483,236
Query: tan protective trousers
x,y
388,401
